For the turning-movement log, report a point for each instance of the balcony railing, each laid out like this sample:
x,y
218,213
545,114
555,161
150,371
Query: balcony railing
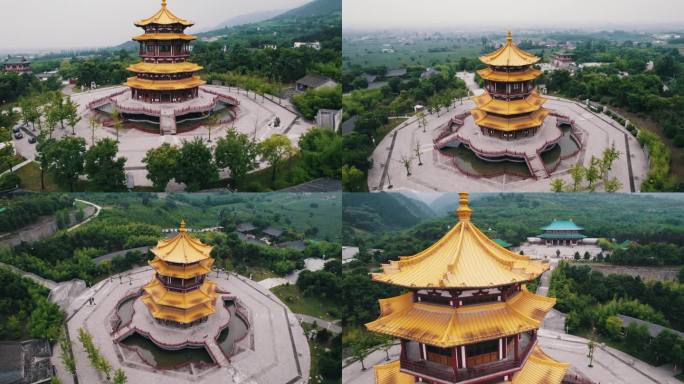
x,y
444,372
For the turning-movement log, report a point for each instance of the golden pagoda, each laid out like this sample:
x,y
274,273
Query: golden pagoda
x,y
165,75
510,107
179,294
467,316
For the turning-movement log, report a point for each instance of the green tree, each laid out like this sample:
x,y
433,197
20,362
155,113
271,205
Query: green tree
x,y
45,320
577,173
29,111
105,171
592,173
70,112
196,166
120,377
320,151
44,150
612,185
275,150
557,185
353,180
7,156
237,153
360,350
92,123
162,165
613,327
66,160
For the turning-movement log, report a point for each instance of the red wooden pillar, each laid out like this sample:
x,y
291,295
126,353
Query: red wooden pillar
x,y
515,347
454,361
403,350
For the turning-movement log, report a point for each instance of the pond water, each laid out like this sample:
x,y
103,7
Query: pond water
x,y
163,358
565,147
237,329
469,162
125,310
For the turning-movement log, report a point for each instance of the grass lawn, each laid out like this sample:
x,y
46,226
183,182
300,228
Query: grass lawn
x,y
259,273
16,160
30,179
260,181
312,306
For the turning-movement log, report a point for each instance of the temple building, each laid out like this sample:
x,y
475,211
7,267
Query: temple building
x,y
467,316
563,60
510,107
166,89
16,65
180,294
562,232
165,75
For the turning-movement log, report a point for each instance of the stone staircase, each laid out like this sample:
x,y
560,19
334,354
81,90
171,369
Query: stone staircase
x,y
537,167
167,122
216,353
441,143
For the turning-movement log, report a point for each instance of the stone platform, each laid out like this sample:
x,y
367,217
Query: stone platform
x,y
276,350
526,149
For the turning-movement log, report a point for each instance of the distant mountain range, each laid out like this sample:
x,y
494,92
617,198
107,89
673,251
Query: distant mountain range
x,y
313,9
377,212
246,18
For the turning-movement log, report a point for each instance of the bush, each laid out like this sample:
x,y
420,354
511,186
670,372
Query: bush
x,y
9,181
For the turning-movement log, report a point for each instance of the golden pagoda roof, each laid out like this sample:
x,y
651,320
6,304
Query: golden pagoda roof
x,y
165,85
487,103
534,119
164,36
179,315
390,374
509,77
445,326
509,55
163,17
185,271
182,248
206,293
164,68
464,258
540,369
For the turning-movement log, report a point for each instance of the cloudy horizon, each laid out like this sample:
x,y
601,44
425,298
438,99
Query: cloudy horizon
x,y
500,14
35,25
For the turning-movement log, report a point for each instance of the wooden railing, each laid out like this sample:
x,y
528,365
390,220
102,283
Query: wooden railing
x,y
445,372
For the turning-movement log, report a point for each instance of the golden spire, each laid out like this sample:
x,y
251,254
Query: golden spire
x,y
510,36
182,227
163,3
463,212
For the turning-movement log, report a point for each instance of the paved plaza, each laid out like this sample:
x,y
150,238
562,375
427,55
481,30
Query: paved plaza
x,y
255,117
275,351
437,174
541,251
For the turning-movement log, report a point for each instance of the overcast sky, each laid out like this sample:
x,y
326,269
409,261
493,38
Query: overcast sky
x,y
508,14
38,24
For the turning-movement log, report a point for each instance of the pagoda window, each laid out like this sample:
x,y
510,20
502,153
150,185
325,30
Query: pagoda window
x,y
482,353
412,350
438,355
164,48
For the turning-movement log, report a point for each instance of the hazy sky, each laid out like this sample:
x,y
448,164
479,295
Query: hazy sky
x,y
468,14
38,24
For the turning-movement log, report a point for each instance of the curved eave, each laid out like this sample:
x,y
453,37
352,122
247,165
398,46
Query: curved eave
x,y
390,373
205,294
509,77
444,326
182,248
487,103
165,68
181,316
164,37
165,85
463,258
484,119
509,55
182,272
540,369
163,17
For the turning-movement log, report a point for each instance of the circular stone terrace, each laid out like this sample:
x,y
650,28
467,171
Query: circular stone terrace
x,y
440,173
274,351
255,116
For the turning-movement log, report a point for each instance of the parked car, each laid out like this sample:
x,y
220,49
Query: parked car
x,y
16,129
32,140
18,135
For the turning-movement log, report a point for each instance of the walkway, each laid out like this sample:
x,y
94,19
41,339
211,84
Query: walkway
x,y
96,214
321,323
18,166
49,284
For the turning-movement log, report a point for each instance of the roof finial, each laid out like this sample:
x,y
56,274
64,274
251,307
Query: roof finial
x,y
182,223
510,36
163,3
463,212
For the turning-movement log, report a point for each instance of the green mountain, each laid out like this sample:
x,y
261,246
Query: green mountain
x,y
377,212
314,9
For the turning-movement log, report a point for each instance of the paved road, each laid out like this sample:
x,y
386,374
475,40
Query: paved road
x,y
321,323
94,215
110,256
